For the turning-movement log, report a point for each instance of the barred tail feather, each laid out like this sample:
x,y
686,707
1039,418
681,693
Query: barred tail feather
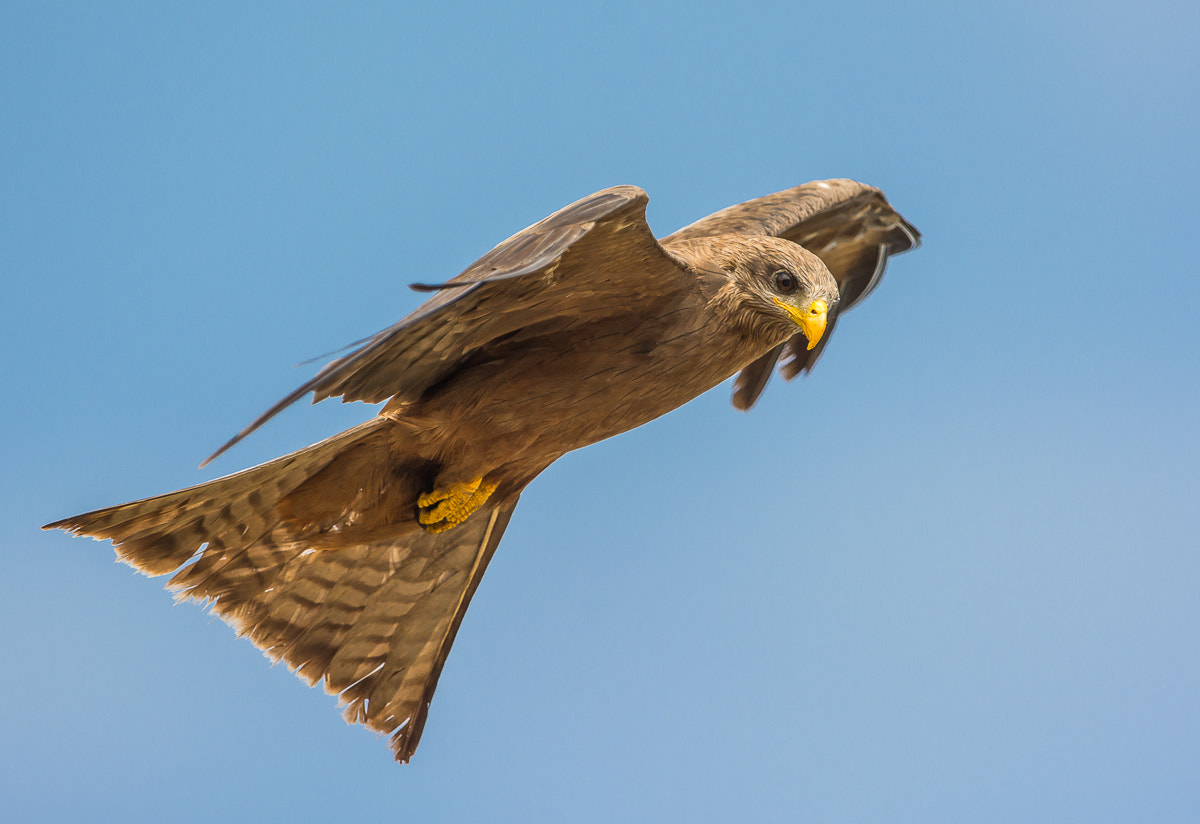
x,y
158,535
370,611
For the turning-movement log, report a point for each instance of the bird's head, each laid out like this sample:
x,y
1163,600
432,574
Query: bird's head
x,y
773,283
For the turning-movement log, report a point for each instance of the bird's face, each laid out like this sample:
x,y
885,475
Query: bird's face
x,y
787,283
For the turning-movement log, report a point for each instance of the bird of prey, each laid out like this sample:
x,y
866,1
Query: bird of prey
x,y
353,560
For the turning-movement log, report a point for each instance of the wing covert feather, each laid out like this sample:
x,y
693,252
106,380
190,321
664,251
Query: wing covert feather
x,y
593,258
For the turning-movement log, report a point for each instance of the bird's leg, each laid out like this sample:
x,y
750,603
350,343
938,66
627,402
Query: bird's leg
x,y
450,505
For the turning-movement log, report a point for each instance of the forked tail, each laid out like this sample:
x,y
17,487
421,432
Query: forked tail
x,y
316,557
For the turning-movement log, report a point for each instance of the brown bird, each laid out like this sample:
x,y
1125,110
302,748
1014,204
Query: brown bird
x,y
354,559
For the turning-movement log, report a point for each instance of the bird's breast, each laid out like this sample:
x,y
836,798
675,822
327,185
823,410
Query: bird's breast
x,y
548,397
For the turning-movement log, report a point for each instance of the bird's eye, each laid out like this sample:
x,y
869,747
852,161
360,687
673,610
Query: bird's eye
x,y
785,282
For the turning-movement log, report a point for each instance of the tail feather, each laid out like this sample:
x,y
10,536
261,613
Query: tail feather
x,y
299,555
158,535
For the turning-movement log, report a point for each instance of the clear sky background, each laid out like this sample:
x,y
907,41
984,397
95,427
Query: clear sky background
x,y
953,575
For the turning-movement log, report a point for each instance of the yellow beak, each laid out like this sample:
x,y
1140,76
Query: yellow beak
x,y
811,322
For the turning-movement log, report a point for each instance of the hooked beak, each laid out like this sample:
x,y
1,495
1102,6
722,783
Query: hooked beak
x,y
811,321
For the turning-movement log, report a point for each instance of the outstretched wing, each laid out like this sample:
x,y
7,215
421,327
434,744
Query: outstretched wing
x,y
589,260
849,225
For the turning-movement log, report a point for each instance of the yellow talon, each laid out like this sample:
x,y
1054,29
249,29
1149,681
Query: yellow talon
x,y
449,506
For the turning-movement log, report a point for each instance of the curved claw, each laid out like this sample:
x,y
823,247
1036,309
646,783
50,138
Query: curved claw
x,y
449,506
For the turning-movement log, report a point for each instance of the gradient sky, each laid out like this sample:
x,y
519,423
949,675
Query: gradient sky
x,y
951,576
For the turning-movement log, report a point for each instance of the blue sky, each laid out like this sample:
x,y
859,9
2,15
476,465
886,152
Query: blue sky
x,y
950,576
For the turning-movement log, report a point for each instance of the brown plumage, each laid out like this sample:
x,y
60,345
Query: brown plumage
x,y
354,559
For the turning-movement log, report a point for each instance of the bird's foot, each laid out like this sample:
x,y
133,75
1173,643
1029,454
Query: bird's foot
x,y
449,506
